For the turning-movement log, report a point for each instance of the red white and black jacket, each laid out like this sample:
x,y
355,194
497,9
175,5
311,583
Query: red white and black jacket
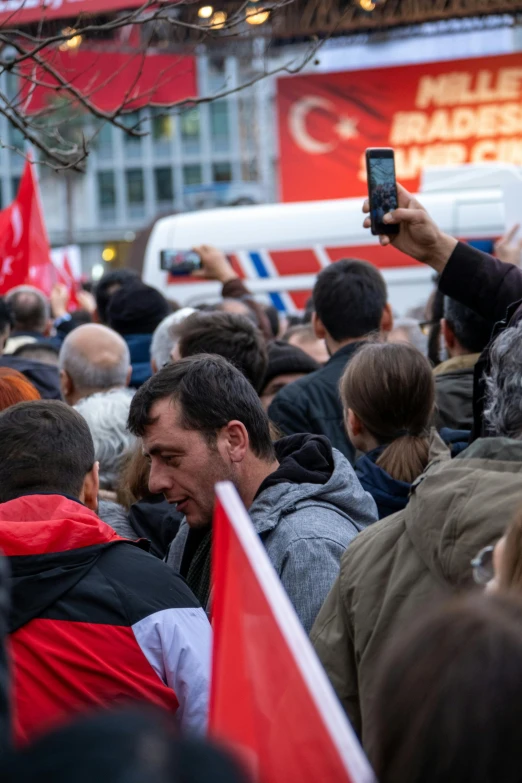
x,y
96,620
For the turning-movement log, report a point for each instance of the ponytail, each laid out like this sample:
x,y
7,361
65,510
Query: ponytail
x,y
390,387
406,457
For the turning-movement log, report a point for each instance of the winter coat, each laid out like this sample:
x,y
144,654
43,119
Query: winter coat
x,y
152,519
390,494
403,564
492,289
305,525
454,392
312,404
139,347
44,377
96,620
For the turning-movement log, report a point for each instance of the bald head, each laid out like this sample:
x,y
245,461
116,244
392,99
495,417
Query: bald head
x,y
93,358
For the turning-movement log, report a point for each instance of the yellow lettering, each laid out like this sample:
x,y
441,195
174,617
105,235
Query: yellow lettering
x,y
508,87
510,119
510,151
487,121
484,151
410,162
439,126
408,127
463,124
444,90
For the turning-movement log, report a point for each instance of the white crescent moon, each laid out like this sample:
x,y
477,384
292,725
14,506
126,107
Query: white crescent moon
x,y
297,117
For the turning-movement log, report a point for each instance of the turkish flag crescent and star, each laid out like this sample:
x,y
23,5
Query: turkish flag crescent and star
x,y
24,245
432,114
271,701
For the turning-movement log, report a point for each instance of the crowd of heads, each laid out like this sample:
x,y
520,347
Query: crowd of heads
x,y
143,400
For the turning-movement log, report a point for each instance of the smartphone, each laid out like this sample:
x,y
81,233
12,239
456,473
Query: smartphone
x,y
180,263
382,188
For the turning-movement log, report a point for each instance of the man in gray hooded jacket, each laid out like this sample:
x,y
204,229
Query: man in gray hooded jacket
x,y
202,422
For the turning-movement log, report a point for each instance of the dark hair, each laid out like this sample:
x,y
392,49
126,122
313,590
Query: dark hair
x,y
225,334
211,393
448,701
29,309
349,298
106,286
390,387
39,352
125,746
272,313
46,447
471,330
5,315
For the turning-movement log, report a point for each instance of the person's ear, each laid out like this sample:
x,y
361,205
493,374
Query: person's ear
x,y
91,487
387,318
66,385
129,376
154,366
318,327
448,335
234,441
354,425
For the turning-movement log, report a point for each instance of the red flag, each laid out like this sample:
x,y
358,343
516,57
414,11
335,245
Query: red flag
x,y
24,245
270,699
66,277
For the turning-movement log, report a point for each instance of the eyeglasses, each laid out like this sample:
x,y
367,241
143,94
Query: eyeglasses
x,y
482,565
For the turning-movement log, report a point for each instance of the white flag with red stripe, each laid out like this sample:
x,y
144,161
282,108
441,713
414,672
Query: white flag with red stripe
x,y
270,699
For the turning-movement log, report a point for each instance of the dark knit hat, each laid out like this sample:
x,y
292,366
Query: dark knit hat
x,y
284,359
136,308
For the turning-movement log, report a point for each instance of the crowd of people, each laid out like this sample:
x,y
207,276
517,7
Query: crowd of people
x,y
380,470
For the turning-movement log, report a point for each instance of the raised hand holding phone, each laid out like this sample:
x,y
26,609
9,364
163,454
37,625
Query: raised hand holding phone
x,y
382,189
419,235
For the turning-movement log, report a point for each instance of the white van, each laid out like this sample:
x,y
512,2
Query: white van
x,y
279,248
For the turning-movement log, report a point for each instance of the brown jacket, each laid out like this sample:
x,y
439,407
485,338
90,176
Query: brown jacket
x,y
454,392
398,566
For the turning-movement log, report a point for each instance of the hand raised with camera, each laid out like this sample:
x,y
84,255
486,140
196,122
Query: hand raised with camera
x,y
419,236
216,265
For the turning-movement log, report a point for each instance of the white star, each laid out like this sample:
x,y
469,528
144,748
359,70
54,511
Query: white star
x,y
347,128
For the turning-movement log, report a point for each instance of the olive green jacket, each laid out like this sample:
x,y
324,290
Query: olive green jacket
x,y
400,565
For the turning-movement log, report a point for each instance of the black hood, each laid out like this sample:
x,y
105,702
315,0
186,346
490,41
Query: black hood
x,y
303,459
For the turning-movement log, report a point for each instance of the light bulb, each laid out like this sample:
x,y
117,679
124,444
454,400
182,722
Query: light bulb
x,y
257,15
218,21
205,12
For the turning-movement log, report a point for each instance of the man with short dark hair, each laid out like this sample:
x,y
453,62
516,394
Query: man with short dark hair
x,y
229,335
350,301
95,619
202,422
108,285
465,335
31,312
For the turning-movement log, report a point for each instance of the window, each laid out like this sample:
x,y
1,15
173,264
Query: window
x,y
192,175
190,130
249,172
131,121
103,141
219,125
16,137
15,184
222,172
162,126
106,189
163,183
135,186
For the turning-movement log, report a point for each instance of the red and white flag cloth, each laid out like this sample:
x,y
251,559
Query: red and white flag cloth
x,y
25,254
270,698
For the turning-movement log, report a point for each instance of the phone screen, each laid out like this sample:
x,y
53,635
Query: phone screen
x,y
382,189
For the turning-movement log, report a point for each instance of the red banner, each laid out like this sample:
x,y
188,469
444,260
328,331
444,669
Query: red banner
x,y
16,12
110,79
461,111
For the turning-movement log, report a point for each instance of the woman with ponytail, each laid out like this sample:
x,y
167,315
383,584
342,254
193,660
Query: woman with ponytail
x,y
388,395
